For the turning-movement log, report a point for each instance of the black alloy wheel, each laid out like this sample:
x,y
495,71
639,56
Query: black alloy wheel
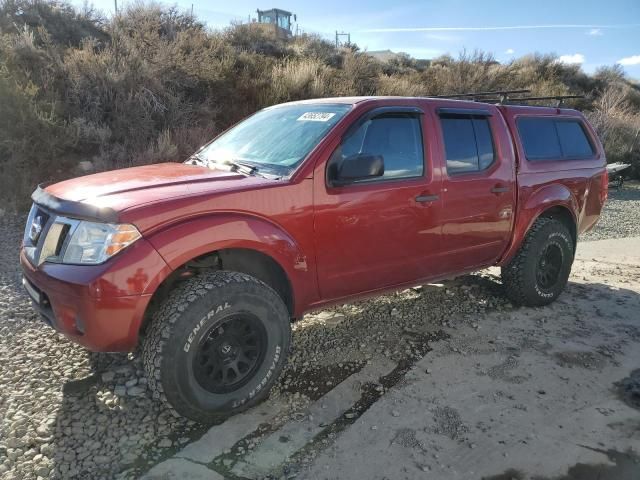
x,y
549,266
228,355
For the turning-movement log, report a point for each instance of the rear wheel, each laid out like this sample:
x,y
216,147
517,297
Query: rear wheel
x,y
217,345
540,270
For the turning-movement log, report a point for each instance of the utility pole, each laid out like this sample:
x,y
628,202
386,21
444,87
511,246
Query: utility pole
x,y
115,6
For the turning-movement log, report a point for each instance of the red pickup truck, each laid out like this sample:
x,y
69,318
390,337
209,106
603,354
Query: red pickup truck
x,y
203,265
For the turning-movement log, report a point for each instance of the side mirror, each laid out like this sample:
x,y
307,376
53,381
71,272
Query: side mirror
x,y
359,167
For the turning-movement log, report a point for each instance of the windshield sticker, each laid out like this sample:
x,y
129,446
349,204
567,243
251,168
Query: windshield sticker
x,y
315,117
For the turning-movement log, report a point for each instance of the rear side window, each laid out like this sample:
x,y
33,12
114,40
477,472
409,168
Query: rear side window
x,y
553,139
468,143
573,140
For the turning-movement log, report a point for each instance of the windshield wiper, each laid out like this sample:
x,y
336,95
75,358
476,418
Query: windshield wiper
x,y
245,168
196,159
239,166
233,165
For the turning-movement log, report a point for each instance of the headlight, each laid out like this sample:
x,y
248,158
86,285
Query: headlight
x,y
92,243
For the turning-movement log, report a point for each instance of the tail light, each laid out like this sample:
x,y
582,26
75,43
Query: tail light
x,y
604,188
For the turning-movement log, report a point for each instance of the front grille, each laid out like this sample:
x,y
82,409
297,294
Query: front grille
x,y
45,235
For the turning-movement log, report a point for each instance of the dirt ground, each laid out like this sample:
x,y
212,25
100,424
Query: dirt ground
x,y
445,381
547,393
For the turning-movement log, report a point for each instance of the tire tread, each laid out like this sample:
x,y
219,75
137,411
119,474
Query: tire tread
x,y
169,313
513,274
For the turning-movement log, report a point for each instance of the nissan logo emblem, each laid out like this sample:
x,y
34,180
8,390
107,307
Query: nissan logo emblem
x,y
36,228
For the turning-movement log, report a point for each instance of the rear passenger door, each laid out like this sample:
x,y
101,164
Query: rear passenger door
x,y
478,186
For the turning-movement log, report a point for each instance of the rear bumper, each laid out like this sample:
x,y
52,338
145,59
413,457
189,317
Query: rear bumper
x,y
100,307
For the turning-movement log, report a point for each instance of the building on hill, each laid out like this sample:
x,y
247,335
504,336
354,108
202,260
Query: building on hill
x,y
386,56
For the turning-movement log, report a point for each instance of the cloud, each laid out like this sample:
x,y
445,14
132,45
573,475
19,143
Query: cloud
x,y
443,37
510,51
507,27
576,58
632,60
595,32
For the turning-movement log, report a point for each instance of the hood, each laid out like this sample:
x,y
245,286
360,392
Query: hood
x,y
118,190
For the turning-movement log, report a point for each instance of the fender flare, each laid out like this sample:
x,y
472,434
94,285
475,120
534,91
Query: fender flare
x,y
188,239
540,201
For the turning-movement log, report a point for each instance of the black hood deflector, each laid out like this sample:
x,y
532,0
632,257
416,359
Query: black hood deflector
x,y
71,209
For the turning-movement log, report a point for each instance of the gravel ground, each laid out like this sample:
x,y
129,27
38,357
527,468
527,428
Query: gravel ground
x,y
621,215
68,413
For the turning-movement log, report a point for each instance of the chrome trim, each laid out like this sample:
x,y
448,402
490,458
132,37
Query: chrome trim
x,y
38,252
62,221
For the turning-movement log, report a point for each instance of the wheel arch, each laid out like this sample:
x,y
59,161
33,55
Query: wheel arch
x,y
237,243
564,215
553,201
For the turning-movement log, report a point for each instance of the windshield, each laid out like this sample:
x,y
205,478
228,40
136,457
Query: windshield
x,y
278,137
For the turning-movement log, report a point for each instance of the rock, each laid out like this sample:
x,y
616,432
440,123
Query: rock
x,y
42,471
395,413
131,383
165,443
85,166
46,449
334,320
136,391
120,390
14,442
395,312
108,377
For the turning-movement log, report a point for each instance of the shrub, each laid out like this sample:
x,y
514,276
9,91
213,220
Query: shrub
x,y
152,84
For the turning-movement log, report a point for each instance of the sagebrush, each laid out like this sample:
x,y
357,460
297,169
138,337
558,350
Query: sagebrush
x,y
80,92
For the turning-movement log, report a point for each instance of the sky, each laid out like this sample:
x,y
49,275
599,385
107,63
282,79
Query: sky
x,y
587,32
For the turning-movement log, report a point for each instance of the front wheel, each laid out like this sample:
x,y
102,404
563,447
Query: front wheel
x,y
217,345
540,270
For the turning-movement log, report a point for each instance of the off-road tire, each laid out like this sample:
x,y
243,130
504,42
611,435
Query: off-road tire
x,y
520,276
195,308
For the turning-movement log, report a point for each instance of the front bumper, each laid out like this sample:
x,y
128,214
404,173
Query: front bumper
x,y
98,306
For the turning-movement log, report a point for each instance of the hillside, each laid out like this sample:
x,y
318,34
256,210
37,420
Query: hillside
x,y
81,93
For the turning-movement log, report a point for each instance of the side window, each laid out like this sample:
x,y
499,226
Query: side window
x,y
468,143
553,139
396,137
573,140
539,138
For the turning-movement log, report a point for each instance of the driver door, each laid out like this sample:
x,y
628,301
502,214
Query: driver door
x,y
382,231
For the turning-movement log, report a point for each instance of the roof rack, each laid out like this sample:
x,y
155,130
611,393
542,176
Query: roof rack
x,y
502,94
503,97
560,99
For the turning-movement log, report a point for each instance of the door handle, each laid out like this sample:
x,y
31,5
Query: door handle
x,y
426,198
499,189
